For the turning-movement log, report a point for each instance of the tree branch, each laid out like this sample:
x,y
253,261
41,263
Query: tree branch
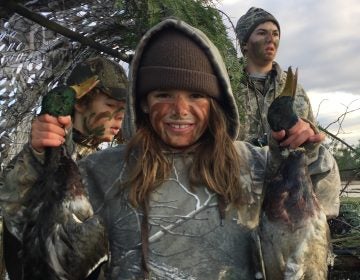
x,y
43,21
338,139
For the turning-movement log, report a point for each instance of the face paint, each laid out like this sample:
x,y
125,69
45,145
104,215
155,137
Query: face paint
x,y
103,117
263,43
178,117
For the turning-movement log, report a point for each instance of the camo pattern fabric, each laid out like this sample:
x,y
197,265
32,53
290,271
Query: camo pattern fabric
x,y
113,80
26,175
81,146
256,104
82,151
249,21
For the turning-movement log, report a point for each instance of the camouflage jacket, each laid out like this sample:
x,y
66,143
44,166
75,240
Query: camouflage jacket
x,y
27,164
257,102
182,220
187,238
82,146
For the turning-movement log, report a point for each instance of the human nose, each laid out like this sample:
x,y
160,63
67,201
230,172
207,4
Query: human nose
x,y
181,105
270,37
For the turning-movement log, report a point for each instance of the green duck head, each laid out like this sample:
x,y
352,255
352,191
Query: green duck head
x,y
281,114
59,101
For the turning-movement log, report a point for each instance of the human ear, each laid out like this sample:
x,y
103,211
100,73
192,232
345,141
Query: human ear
x,y
80,108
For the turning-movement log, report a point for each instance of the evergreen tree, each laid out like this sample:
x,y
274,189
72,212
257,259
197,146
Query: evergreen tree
x,y
140,15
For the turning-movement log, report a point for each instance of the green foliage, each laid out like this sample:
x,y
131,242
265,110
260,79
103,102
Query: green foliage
x,y
140,15
350,209
347,159
350,213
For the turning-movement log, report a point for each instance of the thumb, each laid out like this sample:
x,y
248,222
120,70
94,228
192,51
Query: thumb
x,y
278,135
65,121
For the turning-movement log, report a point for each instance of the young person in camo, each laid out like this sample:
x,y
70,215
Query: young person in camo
x,y
97,118
180,199
258,33
98,114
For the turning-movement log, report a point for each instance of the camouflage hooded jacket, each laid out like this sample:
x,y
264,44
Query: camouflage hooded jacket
x,y
256,104
187,238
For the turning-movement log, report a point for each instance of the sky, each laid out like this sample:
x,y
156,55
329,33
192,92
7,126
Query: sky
x,y
321,39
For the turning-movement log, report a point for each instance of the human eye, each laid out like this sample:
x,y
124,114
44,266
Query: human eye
x,y
197,95
162,94
276,34
261,32
111,104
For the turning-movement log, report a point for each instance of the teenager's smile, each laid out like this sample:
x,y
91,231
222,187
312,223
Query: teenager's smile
x,y
180,127
178,117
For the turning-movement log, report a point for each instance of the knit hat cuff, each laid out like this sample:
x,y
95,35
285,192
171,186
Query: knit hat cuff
x,y
165,78
256,24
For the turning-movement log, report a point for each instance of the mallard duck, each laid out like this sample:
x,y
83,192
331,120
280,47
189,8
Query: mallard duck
x,y
293,230
62,228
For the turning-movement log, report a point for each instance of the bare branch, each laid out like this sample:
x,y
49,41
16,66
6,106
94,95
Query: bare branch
x,y
343,115
232,25
318,109
340,140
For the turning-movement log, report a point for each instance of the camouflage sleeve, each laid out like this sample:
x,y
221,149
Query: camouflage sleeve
x,y
254,163
302,105
18,177
325,176
67,241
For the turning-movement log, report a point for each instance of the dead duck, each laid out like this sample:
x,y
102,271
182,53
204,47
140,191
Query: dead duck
x,y
293,233
61,223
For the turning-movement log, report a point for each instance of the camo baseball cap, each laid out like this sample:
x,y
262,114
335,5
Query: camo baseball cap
x,y
113,80
249,21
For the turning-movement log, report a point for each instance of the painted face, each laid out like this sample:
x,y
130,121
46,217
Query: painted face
x,y
103,117
263,43
178,117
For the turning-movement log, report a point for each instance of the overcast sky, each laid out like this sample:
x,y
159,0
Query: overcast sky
x,y
322,39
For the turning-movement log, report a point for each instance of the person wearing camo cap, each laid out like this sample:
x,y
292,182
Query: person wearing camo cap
x,y
97,118
99,113
258,33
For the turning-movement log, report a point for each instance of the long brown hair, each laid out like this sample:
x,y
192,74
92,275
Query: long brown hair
x,y
216,161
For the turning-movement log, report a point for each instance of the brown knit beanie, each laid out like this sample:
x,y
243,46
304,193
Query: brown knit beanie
x,y
248,22
172,60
